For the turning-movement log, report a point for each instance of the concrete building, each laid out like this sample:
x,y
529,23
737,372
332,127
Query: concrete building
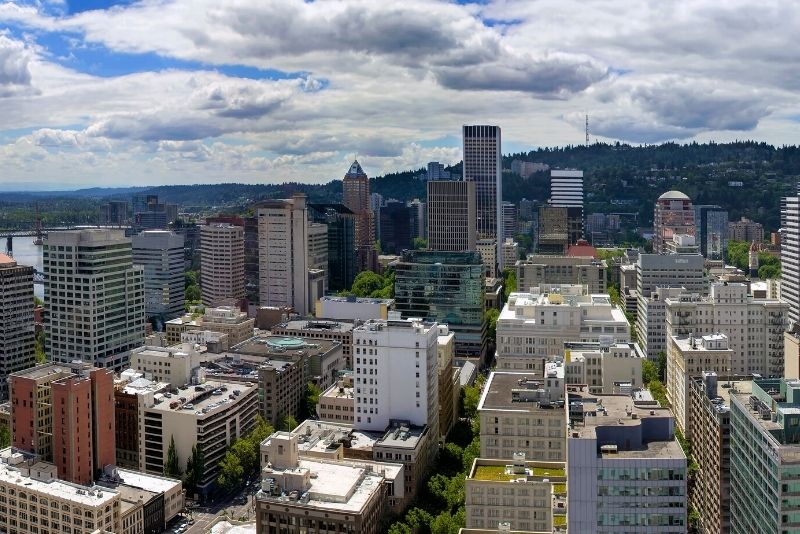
x,y
317,494
17,338
483,165
651,319
340,223
710,424
283,237
487,248
682,244
160,253
207,415
224,320
114,213
150,214
790,255
337,403
765,452
754,327
539,270
353,308
662,270
452,215
534,326
128,388
449,381
746,230
566,191
173,365
509,222
526,496
604,367
510,252
447,288
524,413
159,498
222,264
65,415
356,198
554,235
39,502
626,471
689,357
329,330
791,353
674,214
711,229
94,297
396,374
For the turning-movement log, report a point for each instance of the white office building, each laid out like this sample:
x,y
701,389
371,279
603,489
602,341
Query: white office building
x,y
566,188
160,253
790,255
651,319
396,374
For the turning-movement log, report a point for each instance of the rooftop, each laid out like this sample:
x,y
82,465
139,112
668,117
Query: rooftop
x,y
205,399
136,479
319,435
329,326
359,300
7,261
402,437
282,347
725,389
507,391
673,195
502,473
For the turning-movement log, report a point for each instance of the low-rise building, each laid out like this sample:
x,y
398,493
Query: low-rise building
x,y
689,357
173,365
158,499
353,308
224,319
336,404
320,330
524,412
527,496
626,471
492,294
538,270
604,367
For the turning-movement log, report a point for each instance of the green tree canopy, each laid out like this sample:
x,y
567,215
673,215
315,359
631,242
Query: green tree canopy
x,y
247,454
288,423
366,283
171,467
195,467
490,316
231,472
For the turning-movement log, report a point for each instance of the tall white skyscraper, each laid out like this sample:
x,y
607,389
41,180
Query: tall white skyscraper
x,y
483,165
566,191
94,296
160,253
790,255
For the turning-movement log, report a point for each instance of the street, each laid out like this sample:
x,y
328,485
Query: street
x,y
204,517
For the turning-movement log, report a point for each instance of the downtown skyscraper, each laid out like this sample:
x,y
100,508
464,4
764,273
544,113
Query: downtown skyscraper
x,y
790,255
483,165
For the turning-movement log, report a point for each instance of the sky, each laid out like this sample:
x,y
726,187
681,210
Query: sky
x,y
120,93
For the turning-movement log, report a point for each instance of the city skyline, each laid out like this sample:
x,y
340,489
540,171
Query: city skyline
x,y
91,98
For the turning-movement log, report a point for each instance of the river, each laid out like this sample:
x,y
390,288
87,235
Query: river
x,y
26,253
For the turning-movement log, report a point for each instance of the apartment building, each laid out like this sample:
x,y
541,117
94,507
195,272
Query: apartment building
x,y
710,423
222,264
128,388
534,326
538,270
17,338
689,357
626,471
160,253
524,496
510,250
524,412
94,296
207,415
604,367
765,457
746,230
754,327
487,248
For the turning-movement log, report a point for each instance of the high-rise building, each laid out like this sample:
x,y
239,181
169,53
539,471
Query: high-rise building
x,y
553,236
357,198
566,191
452,215
65,414
711,231
510,253
283,247
149,213
341,269
662,270
674,214
651,318
17,344
419,218
764,450
436,171
445,287
251,260
483,165
395,227
539,270
94,296
161,254
790,255
396,374
114,213
222,264
747,230
625,469
317,246
526,210
509,220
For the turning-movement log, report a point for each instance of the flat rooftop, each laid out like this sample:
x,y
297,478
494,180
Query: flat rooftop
x,y
282,346
727,388
153,483
402,437
215,395
327,326
604,410
356,300
497,391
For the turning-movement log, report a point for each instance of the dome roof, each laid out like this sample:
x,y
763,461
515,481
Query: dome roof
x,y
673,195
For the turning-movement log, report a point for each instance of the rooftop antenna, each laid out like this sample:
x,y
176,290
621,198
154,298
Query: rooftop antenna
x,y
587,129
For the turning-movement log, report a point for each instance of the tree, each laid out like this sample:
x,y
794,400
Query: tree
x,y
420,243
313,392
444,523
5,436
661,363
472,451
261,431
510,285
491,316
470,396
288,423
247,454
231,472
192,294
41,357
171,467
195,466
649,371
366,283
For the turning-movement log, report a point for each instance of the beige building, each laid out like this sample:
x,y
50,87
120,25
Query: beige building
x,y
791,353
488,251
534,326
209,415
336,404
538,270
604,368
322,330
510,249
172,365
221,264
449,381
33,500
224,319
689,357
316,495
526,496
452,215
754,327
524,412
